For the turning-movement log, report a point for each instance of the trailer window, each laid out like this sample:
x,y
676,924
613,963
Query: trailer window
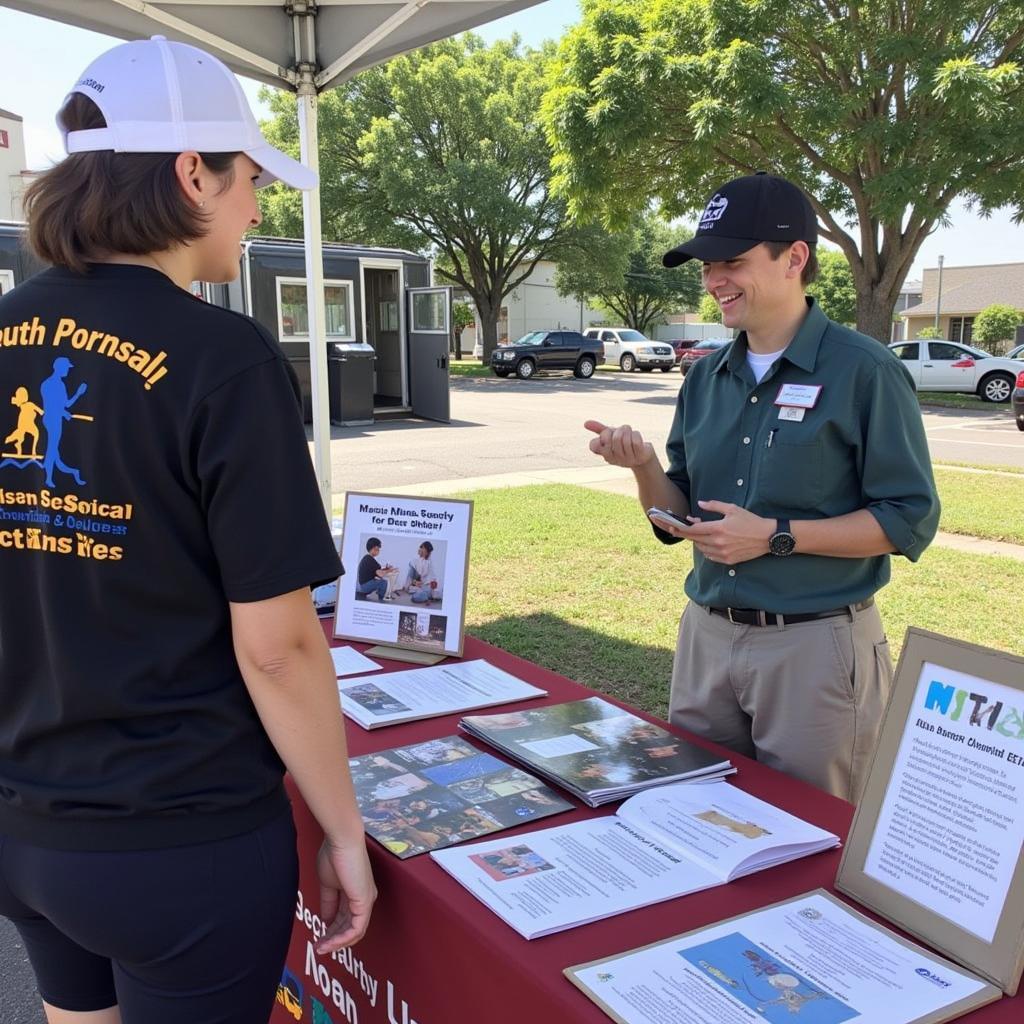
x,y
6,281
293,313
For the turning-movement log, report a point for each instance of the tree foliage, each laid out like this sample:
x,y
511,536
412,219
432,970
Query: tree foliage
x,y
621,272
927,333
996,326
834,288
443,150
709,310
883,112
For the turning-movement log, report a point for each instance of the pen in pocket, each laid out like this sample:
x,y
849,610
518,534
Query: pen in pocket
x,y
771,437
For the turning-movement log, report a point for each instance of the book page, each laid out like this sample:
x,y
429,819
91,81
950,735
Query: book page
x,y
427,692
557,878
810,960
721,827
951,825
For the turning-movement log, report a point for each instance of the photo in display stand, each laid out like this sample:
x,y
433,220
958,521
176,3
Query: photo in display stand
x,y
406,560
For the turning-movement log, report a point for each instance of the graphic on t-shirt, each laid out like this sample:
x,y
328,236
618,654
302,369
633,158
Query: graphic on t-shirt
x,y
55,412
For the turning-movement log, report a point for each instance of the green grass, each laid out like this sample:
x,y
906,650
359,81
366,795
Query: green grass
x,y
468,368
982,504
573,580
952,400
1019,470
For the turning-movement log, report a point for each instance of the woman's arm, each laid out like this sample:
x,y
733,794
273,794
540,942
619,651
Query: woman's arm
x,y
287,669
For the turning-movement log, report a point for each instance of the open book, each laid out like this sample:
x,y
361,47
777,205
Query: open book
x,y
660,844
594,749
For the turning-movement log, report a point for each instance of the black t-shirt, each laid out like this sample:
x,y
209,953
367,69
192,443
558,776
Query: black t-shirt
x,y
154,467
368,566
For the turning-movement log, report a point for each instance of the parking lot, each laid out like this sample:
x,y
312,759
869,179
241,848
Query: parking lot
x,y
511,426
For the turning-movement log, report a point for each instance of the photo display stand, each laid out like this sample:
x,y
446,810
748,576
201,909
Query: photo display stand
x,y
407,562
937,843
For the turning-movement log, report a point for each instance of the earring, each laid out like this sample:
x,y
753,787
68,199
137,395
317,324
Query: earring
x,y
202,203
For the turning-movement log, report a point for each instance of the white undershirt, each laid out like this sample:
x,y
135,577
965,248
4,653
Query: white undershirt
x,y
761,364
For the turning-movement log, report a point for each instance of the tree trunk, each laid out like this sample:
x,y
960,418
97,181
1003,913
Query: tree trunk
x,y
488,328
458,343
874,314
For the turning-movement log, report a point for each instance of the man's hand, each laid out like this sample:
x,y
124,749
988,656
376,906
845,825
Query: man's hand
x,y
619,446
738,537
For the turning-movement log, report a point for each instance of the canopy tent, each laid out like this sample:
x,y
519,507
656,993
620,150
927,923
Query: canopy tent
x,y
303,45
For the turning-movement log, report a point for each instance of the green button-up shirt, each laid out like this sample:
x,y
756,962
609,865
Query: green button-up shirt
x,y
862,446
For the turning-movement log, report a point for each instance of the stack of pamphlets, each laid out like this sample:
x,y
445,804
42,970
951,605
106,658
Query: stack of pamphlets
x,y
420,693
597,751
664,843
429,795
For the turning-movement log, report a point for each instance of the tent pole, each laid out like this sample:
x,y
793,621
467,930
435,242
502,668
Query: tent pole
x,y
313,236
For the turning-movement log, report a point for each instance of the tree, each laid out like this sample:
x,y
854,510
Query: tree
x,y
441,149
462,317
883,112
621,272
709,310
834,289
996,326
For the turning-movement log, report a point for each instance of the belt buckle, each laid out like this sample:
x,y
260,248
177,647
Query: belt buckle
x,y
728,612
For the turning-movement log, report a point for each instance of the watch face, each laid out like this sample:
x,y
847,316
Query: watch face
x,y
782,544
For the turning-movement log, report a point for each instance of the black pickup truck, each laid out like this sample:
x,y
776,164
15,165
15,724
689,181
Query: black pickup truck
x,y
548,350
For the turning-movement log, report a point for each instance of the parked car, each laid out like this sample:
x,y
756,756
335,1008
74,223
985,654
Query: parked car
x,y
1017,352
1017,401
548,350
940,365
680,345
700,350
633,350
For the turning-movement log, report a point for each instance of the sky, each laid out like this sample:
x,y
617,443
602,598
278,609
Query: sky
x,y
42,58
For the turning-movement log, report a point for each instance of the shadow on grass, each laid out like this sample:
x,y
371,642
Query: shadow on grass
x,y
631,671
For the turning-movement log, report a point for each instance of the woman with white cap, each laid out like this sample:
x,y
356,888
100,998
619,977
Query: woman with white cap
x,y
160,660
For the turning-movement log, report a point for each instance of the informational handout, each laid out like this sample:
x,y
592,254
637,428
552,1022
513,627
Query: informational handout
x,y
951,825
429,692
662,843
349,662
810,959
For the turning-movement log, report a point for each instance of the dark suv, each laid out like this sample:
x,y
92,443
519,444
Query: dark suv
x,y
548,350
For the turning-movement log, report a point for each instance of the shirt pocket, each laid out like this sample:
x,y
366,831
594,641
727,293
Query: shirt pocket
x,y
791,475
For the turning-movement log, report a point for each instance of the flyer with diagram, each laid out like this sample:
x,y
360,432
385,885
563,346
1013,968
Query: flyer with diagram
x,y
406,562
430,795
811,959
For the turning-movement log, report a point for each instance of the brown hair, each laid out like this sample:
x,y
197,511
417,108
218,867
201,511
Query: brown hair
x,y
93,204
810,271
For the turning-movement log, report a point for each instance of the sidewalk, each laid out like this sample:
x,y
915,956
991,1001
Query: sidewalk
x,y
620,481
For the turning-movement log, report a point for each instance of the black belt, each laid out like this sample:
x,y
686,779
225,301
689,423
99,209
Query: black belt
x,y
756,617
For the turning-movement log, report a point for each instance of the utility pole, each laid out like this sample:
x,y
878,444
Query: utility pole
x,y
938,297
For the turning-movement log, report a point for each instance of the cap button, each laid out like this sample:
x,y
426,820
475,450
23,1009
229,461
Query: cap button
x,y
760,172
162,39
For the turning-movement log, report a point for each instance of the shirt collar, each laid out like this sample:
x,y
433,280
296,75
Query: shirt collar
x,y
802,351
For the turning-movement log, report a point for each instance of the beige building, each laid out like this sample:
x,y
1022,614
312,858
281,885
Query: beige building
x,y
966,291
13,174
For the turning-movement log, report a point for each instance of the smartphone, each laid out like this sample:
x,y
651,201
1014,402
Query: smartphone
x,y
659,513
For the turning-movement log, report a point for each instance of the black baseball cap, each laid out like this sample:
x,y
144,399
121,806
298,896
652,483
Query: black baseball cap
x,y
743,213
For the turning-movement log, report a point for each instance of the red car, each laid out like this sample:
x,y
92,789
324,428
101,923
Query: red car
x,y
701,349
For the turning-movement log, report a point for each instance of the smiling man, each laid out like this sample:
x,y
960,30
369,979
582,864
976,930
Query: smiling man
x,y
798,462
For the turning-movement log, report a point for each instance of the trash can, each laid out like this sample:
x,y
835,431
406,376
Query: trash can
x,y
350,383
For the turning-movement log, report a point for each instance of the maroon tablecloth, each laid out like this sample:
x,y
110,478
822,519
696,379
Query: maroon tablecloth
x,y
435,955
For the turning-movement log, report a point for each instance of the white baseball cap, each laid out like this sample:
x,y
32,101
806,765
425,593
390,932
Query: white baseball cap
x,y
165,97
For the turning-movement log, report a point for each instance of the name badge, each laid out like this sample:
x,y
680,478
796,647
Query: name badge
x,y
798,396
790,412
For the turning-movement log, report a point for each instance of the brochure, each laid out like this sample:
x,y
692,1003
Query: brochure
x,y
429,692
811,958
596,750
407,560
430,795
660,844
349,662
937,844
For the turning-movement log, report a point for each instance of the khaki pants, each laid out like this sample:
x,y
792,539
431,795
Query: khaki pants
x,y
807,699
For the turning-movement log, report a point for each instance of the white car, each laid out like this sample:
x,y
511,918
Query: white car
x,y
631,350
939,365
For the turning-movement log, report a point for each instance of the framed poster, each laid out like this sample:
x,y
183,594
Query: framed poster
x,y
406,562
937,844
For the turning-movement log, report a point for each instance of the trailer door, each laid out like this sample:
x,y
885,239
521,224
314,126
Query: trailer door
x,y
6,281
429,313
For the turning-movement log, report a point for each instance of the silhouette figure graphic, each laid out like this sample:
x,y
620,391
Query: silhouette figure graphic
x,y
56,409
27,426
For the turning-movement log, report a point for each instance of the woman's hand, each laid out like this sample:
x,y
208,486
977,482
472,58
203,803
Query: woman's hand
x,y
347,894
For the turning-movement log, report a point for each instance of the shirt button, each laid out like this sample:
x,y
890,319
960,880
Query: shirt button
x,y
732,572
746,440
739,483
753,399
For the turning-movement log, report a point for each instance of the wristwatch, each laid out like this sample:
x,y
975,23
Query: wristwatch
x,y
781,542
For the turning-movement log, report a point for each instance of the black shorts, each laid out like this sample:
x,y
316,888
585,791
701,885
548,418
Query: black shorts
x,y
193,934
